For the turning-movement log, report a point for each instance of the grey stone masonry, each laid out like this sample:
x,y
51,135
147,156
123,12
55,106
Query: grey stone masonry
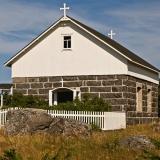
x,y
118,90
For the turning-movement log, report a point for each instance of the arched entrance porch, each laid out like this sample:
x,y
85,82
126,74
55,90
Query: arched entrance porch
x,y
63,94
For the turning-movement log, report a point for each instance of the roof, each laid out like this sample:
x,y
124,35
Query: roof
x,y
5,86
110,42
117,46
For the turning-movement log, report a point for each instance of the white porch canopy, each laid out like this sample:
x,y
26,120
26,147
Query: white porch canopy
x,y
5,88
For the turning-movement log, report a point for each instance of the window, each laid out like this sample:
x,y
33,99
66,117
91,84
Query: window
x,y
67,42
139,99
149,108
139,96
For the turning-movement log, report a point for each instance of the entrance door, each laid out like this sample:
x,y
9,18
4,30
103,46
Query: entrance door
x,y
64,96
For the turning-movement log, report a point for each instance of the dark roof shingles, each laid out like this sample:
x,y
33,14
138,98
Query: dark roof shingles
x,y
117,46
5,86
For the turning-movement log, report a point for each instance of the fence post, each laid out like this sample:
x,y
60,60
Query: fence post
x,y
2,99
105,121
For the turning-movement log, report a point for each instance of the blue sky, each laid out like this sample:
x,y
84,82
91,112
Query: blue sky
x,y
135,22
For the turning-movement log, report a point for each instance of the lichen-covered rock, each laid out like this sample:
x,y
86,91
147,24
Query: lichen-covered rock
x,y
27,121
137,142
32,121
70,127
156,127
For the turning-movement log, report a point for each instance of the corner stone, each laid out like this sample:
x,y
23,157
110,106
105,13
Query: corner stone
x,y
19,80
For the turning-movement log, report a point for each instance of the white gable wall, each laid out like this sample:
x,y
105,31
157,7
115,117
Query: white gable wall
x,y
142,73
88,57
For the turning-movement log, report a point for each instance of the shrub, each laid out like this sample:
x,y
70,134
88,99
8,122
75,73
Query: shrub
x,y
95,127
31,101
19,100
87,104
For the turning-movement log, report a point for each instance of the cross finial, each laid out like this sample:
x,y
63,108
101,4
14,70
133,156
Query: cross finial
x,y
62,82
111,34
65,8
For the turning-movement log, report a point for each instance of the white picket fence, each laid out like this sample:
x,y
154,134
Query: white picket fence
x,y
3,113
105,120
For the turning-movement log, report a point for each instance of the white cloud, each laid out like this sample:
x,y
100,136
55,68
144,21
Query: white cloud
x,y
17,17
20,24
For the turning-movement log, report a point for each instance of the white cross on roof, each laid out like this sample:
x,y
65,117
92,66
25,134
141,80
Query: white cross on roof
x,y
65,8
111,34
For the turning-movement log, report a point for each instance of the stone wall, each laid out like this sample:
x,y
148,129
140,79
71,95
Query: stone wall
x,y
117,90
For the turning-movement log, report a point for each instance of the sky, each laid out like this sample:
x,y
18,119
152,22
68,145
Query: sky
x,y
135,22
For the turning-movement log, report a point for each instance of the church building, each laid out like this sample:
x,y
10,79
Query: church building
x,y
69,59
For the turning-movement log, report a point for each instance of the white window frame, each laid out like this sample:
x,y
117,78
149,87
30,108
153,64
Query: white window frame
x,y
62,44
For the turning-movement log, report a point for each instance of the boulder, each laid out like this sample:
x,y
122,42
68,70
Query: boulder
x,y
156,127
137,142
27,121
32,121
69,127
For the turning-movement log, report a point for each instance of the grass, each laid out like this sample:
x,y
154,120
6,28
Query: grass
x,y
101,146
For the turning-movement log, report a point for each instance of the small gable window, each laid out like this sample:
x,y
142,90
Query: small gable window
x,y
67,42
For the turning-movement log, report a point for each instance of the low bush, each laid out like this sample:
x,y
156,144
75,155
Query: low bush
x,y
86,104
31,101
19,100
95,127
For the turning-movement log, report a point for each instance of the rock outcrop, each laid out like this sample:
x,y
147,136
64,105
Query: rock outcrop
x,y
156,127
137,142
32,121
